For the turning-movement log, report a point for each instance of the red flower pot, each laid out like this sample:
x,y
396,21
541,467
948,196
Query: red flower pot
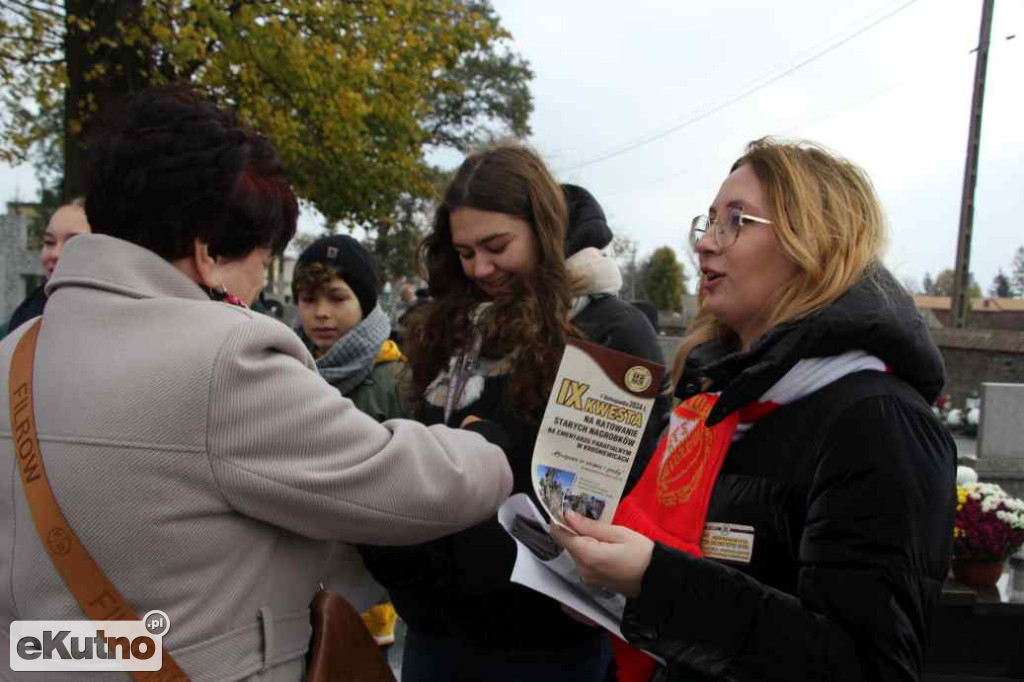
x,y
978,573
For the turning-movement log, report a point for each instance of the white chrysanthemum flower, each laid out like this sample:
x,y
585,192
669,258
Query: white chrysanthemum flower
x,y
966,475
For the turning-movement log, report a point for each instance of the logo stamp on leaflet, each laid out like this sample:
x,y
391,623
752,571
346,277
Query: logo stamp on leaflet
x,y
638,378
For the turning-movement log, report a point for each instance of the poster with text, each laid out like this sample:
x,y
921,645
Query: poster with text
x,y
591,430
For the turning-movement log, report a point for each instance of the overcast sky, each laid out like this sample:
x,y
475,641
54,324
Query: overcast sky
x,y
894,99
646,104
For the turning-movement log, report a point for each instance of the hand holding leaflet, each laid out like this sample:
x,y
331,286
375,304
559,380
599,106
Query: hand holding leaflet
x,y
613,557
588,439
552,572
555,577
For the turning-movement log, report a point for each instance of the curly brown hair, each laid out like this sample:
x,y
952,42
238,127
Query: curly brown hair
x,y
533,317
313,278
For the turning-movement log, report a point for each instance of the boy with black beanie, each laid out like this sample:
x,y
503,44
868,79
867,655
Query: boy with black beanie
x,y
335,285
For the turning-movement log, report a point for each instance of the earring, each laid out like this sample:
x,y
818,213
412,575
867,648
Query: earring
x,y
221,294
217,293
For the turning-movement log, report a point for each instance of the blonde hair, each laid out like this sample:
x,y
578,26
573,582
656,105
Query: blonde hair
x,y
828,222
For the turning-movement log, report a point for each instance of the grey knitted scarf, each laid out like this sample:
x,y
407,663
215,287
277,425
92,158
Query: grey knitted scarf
x,y
352,357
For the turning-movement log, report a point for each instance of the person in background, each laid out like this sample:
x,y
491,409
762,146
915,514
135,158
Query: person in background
x,y
488,344
794,523
197,454
405,302
650,312
340,321
406,298
335,285
66,222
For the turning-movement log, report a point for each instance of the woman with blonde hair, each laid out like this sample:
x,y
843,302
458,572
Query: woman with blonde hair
x,y
794,523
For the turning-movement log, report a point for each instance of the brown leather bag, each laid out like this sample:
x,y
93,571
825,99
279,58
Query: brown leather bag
x,y
342,649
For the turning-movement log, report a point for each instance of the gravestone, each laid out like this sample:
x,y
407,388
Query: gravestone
x,y
1001,436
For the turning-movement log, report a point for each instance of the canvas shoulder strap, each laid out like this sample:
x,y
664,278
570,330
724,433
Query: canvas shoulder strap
x,y
90,586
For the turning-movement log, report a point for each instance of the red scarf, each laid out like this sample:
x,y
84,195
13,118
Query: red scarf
x,y
670,503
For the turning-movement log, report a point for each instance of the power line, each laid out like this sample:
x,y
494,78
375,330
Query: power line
x,y
913,79
733,100
826,116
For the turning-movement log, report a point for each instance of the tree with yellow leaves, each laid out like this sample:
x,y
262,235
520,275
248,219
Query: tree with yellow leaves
x,y
353,93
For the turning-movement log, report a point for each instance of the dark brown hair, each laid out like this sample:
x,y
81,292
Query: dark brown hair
x,y
168,167
507,178
313,278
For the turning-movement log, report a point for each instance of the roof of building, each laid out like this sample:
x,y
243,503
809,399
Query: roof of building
x,y
978,305
23,208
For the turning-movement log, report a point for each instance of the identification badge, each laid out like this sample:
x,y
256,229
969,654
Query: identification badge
x,y
728,542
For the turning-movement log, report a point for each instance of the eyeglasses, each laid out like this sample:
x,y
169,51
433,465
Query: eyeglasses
x,y
725,232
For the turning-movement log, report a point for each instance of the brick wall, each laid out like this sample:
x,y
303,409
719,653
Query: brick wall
x,y
1006,320
971,357
974,356
966,369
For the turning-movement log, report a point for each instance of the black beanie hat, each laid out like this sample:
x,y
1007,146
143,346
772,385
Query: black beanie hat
x,y
357,266
587,224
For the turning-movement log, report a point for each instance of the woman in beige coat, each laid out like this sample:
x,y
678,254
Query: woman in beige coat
x,y
190,443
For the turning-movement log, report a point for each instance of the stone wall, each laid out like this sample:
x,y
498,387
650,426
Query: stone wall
x,y
15,262
972,357
975,356
1006,320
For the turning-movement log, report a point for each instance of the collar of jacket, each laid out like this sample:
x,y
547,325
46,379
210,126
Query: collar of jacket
x,y
103,262
876,315
596,273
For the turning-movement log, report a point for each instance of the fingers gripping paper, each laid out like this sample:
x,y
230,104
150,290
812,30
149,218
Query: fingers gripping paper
x,y
591,430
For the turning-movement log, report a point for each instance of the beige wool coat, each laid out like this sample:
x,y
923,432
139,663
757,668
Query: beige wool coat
x,y
206,466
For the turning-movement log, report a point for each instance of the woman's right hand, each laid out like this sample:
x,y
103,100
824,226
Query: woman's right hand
x,y
469,420
614,557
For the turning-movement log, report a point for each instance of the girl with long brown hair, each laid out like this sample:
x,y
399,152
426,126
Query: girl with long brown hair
x,y
514,268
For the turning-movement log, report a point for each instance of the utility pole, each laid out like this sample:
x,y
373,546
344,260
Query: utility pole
x,y
632,279
961,273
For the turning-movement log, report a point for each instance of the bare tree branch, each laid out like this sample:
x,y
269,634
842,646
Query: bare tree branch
x,y
28,62
29,6
35,41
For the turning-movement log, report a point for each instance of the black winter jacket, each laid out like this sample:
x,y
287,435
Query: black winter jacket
x,y
32,306
458,586
851,491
